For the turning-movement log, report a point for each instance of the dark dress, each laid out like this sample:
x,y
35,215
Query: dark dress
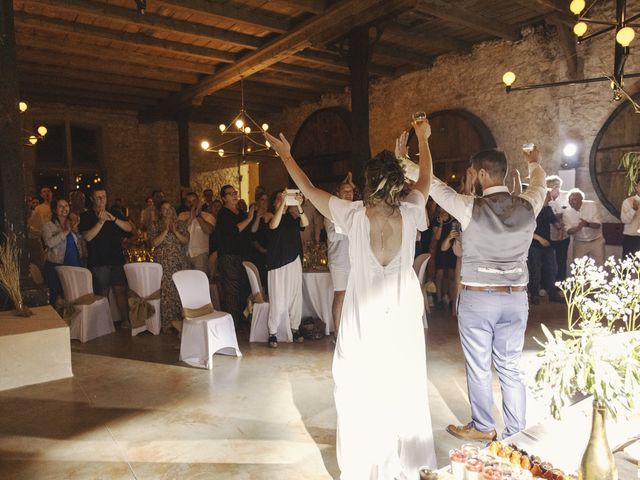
x,y
445,260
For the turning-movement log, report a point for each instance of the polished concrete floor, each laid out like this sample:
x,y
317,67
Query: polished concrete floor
x,y
132,411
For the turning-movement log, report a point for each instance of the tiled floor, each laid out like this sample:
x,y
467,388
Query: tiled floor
x,y
132,411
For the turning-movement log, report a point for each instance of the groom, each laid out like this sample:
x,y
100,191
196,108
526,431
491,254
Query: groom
x,y
497,228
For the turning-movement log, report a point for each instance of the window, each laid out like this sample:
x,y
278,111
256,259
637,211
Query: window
x,y
69,158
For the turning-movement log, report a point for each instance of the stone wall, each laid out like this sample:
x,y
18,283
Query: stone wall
x,y
549,117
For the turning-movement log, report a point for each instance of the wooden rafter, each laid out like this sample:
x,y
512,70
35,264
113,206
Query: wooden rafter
x,y
151,22
449,12
44,23
43,81
317,30
72,73
311,6
237,13
108,53
546,7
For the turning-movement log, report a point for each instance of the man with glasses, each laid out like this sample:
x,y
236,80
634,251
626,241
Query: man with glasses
x,y
231,236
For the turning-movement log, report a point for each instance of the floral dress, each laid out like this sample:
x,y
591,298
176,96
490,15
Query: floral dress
x,y
172,255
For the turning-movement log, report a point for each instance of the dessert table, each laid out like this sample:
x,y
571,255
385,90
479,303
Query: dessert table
x,y
317,296
562,442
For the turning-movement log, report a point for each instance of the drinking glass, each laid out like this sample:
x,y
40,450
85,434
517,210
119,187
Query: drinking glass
x,y
420,116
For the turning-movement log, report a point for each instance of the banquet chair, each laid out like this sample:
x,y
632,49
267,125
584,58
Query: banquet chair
x,y
144,279
420,267
205,331
260,316
93,319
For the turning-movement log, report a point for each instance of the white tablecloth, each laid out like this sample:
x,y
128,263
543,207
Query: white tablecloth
x,y
317,297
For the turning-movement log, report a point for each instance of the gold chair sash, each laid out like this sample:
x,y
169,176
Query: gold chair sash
x,y
69,309
139,307
259,297
198,312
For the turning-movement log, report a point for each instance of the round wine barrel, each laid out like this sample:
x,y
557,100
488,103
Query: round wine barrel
x,y
619,134
322,146
455,136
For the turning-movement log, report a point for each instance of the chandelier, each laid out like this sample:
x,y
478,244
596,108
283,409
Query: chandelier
x,y
624,35
31,138
246,137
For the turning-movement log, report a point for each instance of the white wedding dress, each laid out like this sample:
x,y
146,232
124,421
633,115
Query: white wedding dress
x,y
379,366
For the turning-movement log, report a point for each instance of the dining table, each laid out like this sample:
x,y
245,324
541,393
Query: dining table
x,y
317,296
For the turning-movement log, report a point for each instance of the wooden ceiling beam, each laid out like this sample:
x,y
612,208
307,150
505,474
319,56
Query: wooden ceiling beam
x,y
282,81
151,22
335,60
107,53
258,88
317,30
297,70
311,6
96,65
80,94
55,97
71,73
105,87
400,53
436,41
251,100
546,7
44,23
236,12
449,12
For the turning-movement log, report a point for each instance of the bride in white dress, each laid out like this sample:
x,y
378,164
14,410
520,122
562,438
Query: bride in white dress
x,y
379,366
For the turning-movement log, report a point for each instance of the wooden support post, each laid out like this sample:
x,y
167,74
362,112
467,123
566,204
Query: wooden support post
x,y
12,200
358,58
183,147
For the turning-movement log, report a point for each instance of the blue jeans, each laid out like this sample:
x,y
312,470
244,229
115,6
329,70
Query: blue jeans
x,y
492,326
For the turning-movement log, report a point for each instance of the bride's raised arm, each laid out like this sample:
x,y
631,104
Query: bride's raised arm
x,y
318,197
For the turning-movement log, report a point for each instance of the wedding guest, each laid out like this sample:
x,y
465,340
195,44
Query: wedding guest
x,y
200,226
169,237
584,223
445,260
120,208
338,255
311,233
41,213
208,200
497,228
77,202
559,203
259,242
104,232
630,216
284,252
542,260
230,239
216,205
151,213
63,242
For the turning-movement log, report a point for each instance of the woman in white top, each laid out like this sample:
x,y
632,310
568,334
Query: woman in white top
x,y
379,367
63,242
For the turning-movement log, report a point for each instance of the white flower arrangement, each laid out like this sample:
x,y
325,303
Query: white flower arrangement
x,y
599,352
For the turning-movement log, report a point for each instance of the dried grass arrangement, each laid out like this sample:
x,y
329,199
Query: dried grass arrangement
x,y
10,273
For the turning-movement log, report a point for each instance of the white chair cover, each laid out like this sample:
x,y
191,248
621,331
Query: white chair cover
x,y
260,317
144,278
203,336
92,320
420,267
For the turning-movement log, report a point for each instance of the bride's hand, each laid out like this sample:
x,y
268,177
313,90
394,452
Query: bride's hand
x,y
280,145
402,149
422,129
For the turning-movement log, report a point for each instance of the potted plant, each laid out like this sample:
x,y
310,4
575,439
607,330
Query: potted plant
x,y
598,354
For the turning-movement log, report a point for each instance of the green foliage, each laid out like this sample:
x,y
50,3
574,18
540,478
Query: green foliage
x,y
630,162
599,352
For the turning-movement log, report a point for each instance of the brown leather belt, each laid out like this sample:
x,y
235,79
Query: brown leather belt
x,y
488,288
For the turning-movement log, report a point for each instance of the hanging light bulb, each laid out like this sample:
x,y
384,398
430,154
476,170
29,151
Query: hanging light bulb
x,y
221,152
625,36
205,145
580,29
267,144
33,139
23,106
265,127
239,123
222,127
576,6
508,78
42,130
248,149
247,129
